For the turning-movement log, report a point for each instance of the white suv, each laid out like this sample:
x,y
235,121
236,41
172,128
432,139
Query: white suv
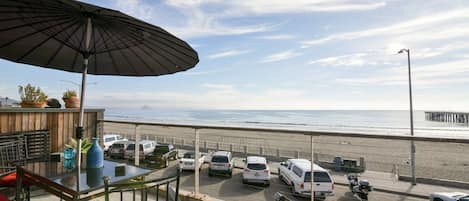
x,y
109,139
256,170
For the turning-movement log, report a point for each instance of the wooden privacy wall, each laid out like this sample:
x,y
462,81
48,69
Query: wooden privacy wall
x,y
60,122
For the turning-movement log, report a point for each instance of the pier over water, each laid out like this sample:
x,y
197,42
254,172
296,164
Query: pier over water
x,y
453,117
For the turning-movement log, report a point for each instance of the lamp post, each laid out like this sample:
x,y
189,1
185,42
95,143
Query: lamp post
x,y
412,145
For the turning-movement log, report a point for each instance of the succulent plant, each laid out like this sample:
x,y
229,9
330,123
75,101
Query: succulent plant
x,y
69,93
31,94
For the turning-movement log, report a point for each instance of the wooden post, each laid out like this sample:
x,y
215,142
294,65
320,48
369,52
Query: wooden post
x,y
196,164
312,168
137,146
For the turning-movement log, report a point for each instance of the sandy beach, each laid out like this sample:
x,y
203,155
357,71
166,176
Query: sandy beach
x,y
440,160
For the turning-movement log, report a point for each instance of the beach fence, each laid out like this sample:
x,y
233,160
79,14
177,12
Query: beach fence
x,y
436,158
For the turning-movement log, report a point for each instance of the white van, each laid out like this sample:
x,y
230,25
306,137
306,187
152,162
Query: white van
x,y
109,139
297,174
256,170
146,147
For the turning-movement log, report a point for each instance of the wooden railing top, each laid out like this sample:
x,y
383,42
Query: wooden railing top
x,y
297,131
18,109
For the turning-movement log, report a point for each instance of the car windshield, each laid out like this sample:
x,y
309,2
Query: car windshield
x,y
116,146
318,177
256,166
161,150
189,155
109,139
220,159
131,147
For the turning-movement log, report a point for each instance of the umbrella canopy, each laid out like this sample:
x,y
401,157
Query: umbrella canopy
x,y
53,34
78,37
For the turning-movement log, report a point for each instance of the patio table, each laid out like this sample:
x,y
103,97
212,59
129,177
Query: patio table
x,y
52,177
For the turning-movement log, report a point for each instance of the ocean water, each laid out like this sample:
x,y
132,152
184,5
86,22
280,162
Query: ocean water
x,y
386,122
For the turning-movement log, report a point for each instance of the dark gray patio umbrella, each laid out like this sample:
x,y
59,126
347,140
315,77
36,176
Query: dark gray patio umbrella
x,y
78,37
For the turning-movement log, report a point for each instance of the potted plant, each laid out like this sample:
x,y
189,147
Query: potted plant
x,y
71,100
85,146
32,97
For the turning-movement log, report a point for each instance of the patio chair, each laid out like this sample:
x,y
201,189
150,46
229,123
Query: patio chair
x,y
11,154
144,187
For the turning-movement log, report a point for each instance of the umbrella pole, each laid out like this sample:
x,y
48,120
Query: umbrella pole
x,y
79,130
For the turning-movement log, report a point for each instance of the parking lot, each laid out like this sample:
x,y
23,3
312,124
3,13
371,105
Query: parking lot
x,y
232,189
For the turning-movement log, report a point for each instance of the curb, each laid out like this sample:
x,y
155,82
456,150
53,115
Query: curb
x,y
390,191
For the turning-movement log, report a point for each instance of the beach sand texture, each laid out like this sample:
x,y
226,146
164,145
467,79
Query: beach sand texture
x,y
440,160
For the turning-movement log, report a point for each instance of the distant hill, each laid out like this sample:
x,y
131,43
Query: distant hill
x,y
5,101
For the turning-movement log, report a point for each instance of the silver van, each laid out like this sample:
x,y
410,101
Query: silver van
x,y
117,150
146,147
221,163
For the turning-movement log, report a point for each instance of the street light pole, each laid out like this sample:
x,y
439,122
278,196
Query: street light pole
x,y
412,145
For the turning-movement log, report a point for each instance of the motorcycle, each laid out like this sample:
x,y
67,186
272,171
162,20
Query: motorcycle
x,y
361,188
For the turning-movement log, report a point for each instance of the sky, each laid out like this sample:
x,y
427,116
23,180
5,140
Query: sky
x,y
288,55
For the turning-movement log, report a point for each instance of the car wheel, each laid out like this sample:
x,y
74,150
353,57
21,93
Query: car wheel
x,y
245,181
230,174
210,173
293,191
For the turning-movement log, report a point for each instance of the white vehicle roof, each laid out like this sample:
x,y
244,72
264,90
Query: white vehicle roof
x,y
124,142
221,153
256,159
111,135
146,141
305,165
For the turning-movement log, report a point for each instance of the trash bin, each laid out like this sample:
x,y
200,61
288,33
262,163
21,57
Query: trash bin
x,y
338,161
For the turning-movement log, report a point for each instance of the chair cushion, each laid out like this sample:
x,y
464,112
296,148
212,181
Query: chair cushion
x,y
9,180
3,198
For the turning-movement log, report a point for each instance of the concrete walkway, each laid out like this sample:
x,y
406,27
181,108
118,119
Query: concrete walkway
x,y
386,182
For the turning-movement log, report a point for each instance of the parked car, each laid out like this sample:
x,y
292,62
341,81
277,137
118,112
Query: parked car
x,y
187,162
117,150
297,174
162,154
109,139
146,147
256,170
221,163
446,196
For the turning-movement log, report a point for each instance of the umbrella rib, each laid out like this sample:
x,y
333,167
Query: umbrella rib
x,y
124,20
126,58
156,60
32,17
79,47
29,24
110,56
61,46
32,33
161,65
170,60
44,41
171,47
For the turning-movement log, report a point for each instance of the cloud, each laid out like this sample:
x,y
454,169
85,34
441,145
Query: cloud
x,y
259,7
444,73
199,22
136,8
277,37
418,28
344,60
280,56
228,53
